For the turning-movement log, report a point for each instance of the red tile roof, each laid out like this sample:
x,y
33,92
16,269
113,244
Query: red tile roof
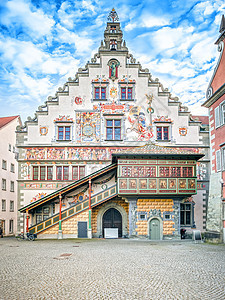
x,y
203,119
6,120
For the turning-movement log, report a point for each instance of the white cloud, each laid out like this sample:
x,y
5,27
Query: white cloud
x,y
83,44
37,24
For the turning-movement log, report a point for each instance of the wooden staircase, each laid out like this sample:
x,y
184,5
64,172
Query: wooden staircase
x,y
75,209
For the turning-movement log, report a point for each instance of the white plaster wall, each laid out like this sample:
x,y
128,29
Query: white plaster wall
x,y
8,136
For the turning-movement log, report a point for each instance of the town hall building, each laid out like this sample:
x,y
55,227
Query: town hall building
x,y
113,154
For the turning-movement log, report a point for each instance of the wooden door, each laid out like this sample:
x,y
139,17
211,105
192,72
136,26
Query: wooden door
x,y
154,229
112,219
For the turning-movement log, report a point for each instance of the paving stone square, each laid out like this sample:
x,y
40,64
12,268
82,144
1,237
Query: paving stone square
x,y
111,269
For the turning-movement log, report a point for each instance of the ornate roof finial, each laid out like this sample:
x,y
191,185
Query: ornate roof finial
x,y
113,17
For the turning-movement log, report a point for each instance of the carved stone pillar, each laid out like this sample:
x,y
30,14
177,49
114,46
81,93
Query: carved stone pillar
x,y
177,219
132,216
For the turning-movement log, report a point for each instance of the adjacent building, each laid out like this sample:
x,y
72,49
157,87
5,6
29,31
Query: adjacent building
x,y
113,107
8,174
216,104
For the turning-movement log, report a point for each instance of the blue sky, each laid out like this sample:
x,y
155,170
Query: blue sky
x,y
42,43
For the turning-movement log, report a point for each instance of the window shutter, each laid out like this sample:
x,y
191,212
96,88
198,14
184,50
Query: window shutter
x,y
218,161
217,116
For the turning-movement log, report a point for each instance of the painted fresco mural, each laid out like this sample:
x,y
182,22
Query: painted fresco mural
x,y
88,127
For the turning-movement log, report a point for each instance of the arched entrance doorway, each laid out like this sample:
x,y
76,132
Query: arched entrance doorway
x,y
112,219
154,227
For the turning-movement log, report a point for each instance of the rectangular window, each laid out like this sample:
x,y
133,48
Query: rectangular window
x,y
11,205
66,173
217,116
12,169
4,164
3,205
49,173
60,132
126,93
129,93
3,184
123,93
113,130
10,226
75,175
11,186
218,161
223,157
78,172
103,94
67,133
97,93
59,173
185,214
159,133
63,133
42,173
38,219
35,173
100,93
223,113
162,133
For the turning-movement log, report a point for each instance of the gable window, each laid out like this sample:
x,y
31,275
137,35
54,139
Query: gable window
x,y
185,214
100,93
64,133
162,133
113,130
126,93
4,164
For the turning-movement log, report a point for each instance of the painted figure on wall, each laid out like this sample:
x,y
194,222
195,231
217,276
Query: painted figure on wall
x,y
113,69
137,119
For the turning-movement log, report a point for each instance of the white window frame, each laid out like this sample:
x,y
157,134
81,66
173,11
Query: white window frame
x,y
218,161
4,164
3,184
222,113
12,168
114,118
3,208
12,186
217,116
11,207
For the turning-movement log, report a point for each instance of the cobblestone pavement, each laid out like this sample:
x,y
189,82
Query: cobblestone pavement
x,y
111,269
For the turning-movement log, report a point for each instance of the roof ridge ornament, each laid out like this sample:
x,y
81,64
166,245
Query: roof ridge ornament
x,y
113,17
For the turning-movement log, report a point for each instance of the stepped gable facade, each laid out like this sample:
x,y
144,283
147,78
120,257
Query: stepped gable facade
x,y
216,103
112,106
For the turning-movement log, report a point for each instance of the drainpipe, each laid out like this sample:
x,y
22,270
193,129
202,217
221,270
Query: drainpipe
x,y
89,213
60,218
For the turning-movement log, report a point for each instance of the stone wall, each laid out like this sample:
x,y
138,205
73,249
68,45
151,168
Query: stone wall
x,y
69,226
148,205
